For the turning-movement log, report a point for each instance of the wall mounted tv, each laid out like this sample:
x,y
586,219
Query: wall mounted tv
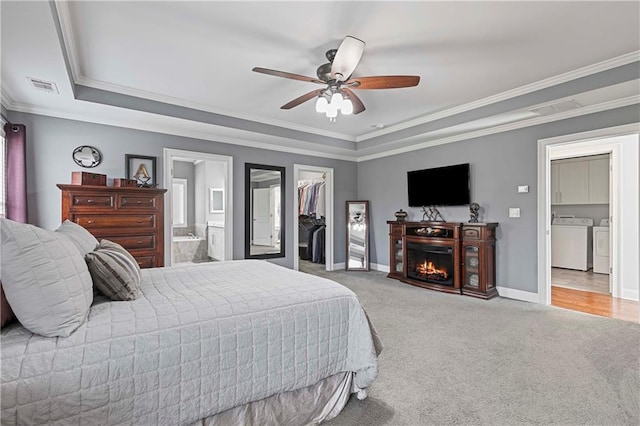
x,y
441,186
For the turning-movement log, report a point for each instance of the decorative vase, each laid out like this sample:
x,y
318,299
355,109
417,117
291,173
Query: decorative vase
x,y
400,215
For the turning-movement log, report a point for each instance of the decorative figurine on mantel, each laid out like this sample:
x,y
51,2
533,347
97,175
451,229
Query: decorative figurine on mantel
x,y
474,208
400,215
431,214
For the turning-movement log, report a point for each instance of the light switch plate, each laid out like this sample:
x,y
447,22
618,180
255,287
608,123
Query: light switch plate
x,y
514,212
523,188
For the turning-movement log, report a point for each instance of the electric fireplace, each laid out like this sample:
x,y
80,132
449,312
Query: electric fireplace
x,y
430,263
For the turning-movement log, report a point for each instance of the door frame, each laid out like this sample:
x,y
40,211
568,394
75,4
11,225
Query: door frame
x,y
329,219
622,143
169,156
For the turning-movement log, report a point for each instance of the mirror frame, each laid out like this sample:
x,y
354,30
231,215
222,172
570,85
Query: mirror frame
x,y
247,211
366,237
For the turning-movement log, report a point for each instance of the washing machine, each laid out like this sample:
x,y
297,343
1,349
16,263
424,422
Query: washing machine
x,y
601,247
572,243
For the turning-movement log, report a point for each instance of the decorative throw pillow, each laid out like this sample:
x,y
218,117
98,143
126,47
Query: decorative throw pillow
x,y
114,271
79,236
45,279
5,310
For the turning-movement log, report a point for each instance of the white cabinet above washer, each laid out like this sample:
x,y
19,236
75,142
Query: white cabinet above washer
x,y
580,181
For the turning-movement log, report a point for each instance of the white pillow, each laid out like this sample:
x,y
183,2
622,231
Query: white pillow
x,y
78,235
45,279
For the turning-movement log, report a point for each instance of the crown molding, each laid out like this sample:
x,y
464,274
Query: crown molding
x,y
68,37
6,99
186,129
519,91
604,106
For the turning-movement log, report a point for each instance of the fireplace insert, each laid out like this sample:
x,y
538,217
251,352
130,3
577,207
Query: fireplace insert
x,y
430,263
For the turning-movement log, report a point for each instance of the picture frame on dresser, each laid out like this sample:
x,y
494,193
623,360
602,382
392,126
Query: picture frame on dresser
x,y
142,168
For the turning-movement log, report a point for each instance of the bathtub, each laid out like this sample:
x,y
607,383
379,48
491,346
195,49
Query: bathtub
x,y
189,249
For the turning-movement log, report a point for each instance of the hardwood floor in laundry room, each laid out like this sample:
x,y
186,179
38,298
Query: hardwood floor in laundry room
x,y
595,303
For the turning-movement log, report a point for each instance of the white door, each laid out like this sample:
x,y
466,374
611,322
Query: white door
x,y
262,217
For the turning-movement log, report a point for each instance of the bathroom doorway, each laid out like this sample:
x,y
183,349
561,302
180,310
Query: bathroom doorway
x,y
199,219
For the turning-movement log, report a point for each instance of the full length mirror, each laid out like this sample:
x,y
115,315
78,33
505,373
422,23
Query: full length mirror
x,y
264,208
358,235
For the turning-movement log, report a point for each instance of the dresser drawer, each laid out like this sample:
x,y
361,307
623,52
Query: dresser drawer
x,y
137,202
116,221
92,200
131,242
146,261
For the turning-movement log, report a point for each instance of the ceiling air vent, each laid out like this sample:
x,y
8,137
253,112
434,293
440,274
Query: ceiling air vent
x,y
45,86
556,108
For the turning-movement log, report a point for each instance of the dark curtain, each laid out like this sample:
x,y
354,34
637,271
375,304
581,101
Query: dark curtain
x,y
16,172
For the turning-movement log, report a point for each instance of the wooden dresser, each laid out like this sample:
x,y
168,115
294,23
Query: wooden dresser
x,y
131,217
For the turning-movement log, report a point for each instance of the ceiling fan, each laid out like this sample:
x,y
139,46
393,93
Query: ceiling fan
x,y
337,76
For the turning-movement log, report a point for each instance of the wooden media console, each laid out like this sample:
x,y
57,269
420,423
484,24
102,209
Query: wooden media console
x,y
445,256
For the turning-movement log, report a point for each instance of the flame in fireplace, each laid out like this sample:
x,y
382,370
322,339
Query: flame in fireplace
x,y
429,269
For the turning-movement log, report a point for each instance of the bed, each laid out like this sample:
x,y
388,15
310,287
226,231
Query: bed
x,y
240,342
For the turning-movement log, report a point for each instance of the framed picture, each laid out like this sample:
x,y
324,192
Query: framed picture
x,y
142,169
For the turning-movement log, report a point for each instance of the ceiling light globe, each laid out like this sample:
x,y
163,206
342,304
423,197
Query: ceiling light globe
x,y
332,112
336,99
322,104
347,107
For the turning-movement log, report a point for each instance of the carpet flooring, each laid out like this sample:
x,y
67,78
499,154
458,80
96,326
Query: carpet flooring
x,y
451,359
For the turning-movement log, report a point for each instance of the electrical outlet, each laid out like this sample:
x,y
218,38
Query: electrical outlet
x,y
514,212
523,189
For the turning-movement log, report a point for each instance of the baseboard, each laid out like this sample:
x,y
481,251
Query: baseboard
x,y
381,268
511,293
629,294
339,266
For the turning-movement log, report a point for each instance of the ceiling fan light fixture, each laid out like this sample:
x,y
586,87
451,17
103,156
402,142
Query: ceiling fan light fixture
x,y
347,107
332,112
336,100
322,104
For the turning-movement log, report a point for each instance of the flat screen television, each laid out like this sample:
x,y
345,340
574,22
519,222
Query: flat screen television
x,y
440,186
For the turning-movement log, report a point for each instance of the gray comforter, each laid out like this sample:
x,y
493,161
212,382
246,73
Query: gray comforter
x,y
199,340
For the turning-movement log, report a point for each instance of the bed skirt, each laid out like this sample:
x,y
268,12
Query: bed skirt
x,y
307,406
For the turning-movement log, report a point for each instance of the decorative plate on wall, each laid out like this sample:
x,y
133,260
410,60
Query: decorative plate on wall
x,y
87,156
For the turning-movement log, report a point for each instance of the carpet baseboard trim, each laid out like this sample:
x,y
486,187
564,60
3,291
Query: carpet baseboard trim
x,y
511,293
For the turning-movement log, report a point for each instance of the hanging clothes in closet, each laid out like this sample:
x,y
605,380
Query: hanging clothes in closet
x,y
315,244
311,199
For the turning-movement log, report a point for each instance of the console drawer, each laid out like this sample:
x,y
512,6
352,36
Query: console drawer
x,y
92,200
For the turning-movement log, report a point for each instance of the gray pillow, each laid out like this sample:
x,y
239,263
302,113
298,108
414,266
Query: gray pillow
x,y
114,271
79,236
45,279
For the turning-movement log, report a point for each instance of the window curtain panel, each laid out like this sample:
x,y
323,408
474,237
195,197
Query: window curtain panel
x,y
16,172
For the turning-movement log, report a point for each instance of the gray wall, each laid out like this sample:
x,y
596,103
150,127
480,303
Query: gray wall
x,y
186,170
499,163
52,140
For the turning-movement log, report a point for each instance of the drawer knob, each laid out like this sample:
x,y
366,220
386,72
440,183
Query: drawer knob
x,y
139,242
89,201
90,221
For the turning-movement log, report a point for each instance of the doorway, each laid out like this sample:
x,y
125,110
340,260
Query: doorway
x,y
621,144
199,207
323,216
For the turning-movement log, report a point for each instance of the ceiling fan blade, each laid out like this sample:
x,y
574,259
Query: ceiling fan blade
x,y
347,58
304,98
384,82
287,75
358,106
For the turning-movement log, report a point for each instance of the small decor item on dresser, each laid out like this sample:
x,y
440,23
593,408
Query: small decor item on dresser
x,y
474,208
142,169
86,178
431,214
87,156
125,183
400,215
